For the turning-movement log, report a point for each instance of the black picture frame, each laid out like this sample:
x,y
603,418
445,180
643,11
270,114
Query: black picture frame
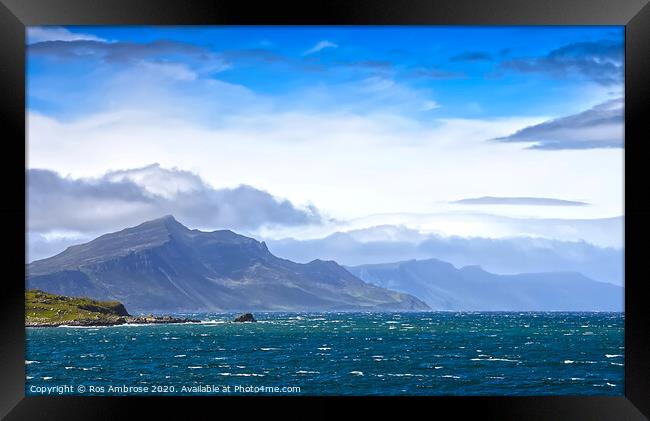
x,y
15,15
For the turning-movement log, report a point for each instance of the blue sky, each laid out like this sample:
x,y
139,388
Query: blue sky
x,y
490,132
466,69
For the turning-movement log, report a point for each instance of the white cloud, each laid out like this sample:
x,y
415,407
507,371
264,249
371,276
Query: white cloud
x,y
348,165
56,33
360,148
603,232
157,181
430,105
320,45
368,95
177,71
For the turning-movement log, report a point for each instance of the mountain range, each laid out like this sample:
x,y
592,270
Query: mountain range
x,y
445,287
162,266
506,255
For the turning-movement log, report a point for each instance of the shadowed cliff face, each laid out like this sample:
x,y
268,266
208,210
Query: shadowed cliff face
x,y
161,265
444,287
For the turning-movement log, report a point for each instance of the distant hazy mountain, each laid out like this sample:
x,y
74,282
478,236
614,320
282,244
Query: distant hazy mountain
x,y
444,287
381,244
161,265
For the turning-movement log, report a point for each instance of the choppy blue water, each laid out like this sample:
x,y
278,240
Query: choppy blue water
x,y
337,354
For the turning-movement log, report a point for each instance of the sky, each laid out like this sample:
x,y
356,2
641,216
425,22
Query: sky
x,y
304,132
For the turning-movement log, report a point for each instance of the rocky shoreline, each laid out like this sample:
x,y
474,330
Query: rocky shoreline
x,y
144,320
44,309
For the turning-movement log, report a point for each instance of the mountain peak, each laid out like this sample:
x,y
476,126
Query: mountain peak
x,y
472,269
161,264
166,223
165,219
109,246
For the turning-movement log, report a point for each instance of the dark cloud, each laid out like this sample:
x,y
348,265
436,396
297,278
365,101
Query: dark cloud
x,y
535,201
51,183
125,52
129,52
472,56
369,64
255,54
116,52
438,74
505,51
128,197
601,62
599,127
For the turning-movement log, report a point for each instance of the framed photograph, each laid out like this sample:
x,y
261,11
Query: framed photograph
x,y
425,203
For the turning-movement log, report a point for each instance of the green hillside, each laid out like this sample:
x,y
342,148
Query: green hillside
x,y
42,307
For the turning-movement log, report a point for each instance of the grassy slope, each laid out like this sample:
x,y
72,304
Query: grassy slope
x,y
51,308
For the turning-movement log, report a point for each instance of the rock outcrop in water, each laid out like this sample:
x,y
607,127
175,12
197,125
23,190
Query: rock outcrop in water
x,y
162,266
246,317
50,310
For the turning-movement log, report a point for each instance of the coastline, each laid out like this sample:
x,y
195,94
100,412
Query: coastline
x,y
143,320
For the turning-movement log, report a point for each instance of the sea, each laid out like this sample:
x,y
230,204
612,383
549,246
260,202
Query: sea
x,y
431,353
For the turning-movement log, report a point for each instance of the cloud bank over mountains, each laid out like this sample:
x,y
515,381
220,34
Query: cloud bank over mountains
x,y
498,255
64,211
128,197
